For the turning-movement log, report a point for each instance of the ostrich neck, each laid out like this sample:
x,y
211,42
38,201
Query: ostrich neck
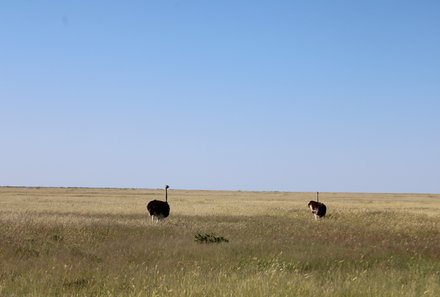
x,y
166,195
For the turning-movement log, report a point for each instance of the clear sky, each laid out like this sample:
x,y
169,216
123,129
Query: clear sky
x,y
235,95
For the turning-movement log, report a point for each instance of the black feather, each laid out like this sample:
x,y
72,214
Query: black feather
x,y
159,209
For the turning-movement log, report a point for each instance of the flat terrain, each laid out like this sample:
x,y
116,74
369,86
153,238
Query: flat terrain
x,y
101,242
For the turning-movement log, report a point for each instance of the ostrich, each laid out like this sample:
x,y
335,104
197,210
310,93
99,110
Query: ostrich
x,y
318,208
159,209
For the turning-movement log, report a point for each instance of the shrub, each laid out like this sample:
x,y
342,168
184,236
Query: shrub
x,y
209,238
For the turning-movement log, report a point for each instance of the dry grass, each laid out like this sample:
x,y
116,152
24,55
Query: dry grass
x,y
100,242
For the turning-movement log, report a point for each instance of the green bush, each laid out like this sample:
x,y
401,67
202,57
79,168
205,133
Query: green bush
x,y
209,238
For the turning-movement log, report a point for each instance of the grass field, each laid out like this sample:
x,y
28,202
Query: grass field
x,y
100,242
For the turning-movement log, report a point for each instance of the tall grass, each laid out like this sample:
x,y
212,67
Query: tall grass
x,y
100,242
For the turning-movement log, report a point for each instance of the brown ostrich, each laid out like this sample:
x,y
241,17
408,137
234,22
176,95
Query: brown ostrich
x,y
318,208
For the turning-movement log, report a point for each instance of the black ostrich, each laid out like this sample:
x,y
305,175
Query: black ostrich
x,y
318,208
159,209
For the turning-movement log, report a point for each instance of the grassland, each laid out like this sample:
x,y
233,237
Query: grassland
x,y
100,242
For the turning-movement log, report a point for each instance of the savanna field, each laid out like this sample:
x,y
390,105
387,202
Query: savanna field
x,y
101,242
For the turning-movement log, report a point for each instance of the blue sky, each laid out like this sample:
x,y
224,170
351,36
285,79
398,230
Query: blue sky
x,y
237,95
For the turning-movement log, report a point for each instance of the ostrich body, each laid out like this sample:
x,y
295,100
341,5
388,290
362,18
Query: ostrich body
x,y
317,208
159,209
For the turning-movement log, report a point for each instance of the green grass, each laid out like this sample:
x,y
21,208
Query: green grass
x,y
100,242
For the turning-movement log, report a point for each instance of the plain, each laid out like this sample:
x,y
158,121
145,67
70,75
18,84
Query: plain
x,y
101,242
